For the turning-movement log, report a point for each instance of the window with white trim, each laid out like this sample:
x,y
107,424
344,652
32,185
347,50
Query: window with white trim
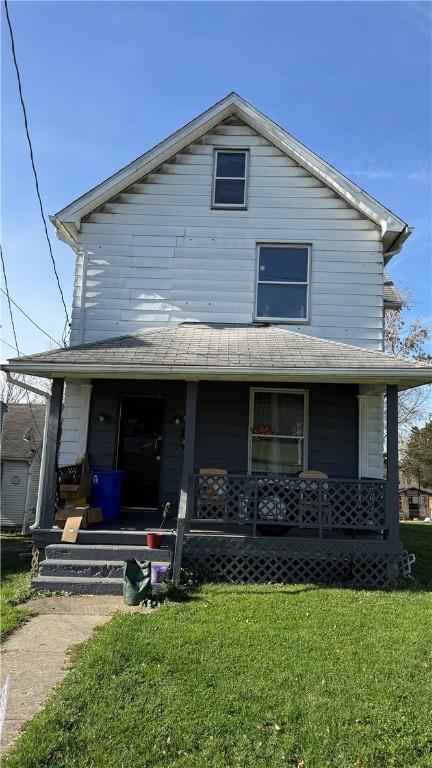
x,y
277,431
229,182
283,282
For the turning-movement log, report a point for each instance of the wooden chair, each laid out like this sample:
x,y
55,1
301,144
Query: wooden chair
x,y
309,500
212,496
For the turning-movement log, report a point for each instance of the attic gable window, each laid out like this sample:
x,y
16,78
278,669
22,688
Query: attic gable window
x,y
282,284
229,183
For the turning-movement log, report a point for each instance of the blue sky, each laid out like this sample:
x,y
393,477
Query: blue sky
x,y
105,81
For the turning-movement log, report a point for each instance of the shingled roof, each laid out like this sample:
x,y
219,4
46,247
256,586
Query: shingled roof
x,y
391,295
21,421
219,349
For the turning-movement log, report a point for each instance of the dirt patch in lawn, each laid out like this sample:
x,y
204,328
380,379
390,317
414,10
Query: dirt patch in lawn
x,y
35,657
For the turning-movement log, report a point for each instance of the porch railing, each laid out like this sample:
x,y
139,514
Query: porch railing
x,y
309,503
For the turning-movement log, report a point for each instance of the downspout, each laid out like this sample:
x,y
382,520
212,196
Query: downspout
x,y
36,391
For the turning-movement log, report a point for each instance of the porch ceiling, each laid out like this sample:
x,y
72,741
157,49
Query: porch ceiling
x,y
229,352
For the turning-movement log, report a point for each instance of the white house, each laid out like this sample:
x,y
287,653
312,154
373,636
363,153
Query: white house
x,y
229,296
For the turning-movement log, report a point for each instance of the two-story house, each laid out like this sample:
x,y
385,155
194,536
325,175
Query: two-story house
x,y
227,355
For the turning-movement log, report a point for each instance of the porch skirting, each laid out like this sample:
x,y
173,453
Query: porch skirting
x,y
270,560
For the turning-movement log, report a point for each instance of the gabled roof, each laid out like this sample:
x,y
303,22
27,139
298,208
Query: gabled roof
x,y
194,350
20,422
393,229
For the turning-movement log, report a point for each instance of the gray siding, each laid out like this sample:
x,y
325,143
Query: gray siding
x,y
222,427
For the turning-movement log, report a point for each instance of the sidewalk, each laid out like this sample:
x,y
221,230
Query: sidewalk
x,y
35,655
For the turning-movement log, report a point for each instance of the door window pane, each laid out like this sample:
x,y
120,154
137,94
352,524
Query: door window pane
x,y
278,264
281,301
277,413
277,455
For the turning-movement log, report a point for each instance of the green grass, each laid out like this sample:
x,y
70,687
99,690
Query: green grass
x,y
15,586
417,538
251,677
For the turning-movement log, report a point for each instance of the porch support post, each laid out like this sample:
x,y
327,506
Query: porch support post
x,y
392,484
188,465
48,476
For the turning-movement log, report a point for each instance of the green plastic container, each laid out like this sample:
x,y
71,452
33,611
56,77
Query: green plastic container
x,y
136,582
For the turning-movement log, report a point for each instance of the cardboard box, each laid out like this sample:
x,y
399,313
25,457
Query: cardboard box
x,y
88,515
74,491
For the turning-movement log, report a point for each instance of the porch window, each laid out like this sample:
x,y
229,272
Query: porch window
x,y
277,431
282,284
229,183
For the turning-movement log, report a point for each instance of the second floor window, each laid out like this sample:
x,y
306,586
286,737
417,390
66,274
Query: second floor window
x,y
229,183
282,284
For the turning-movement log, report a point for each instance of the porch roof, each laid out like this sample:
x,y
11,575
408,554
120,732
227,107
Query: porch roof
x,y
198,351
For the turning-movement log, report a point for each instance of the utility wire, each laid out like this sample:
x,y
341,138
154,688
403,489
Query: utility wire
x,y
6,293
7,344
34,169
16,343
9,301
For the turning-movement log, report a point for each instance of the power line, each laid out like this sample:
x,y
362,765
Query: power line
x,y
9,301
34,169
16,342
6,293
8,345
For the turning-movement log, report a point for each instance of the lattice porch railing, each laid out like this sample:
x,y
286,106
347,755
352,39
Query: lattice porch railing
x,y
257,500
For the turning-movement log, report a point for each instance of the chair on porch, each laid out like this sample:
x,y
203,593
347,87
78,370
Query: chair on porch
x,y
212,494
310,502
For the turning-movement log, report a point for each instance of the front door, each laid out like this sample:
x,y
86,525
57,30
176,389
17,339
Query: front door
x,y
139,448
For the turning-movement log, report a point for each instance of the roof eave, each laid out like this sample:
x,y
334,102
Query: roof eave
x,y
404,377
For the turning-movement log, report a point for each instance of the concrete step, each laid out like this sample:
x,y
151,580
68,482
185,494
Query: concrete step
x,y
106,553
100,569
79,586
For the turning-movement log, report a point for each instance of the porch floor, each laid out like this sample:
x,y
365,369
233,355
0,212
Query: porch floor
x,y
142,520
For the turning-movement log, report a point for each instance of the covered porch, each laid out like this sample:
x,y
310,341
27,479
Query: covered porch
x,y
270,459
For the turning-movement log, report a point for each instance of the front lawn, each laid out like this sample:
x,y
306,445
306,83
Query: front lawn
x,y
248,677
417,538
15,585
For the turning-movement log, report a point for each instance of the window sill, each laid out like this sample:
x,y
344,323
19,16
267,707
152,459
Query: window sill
x,y
220,207
282,320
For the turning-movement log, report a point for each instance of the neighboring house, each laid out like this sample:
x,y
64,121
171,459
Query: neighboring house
x,y
415,502
227,336
21,449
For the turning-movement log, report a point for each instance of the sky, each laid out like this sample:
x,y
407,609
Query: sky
x,y
105,81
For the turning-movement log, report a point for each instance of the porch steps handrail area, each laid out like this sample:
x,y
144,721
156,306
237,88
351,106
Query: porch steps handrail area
x,y
280,500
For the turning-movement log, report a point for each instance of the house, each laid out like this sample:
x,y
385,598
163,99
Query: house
x,y
227,354
415,502
21,449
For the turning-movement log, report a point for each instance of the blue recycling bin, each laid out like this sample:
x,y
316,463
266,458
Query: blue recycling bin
x,y
106,493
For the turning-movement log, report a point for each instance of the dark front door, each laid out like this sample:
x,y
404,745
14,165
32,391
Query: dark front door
x,y
140,444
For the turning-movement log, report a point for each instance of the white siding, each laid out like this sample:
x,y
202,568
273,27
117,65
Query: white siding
x,y
14,488
158,254
75,414
371,431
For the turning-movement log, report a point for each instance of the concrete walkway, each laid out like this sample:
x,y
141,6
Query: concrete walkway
x,y
34,657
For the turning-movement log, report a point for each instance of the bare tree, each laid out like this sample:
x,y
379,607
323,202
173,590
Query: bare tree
x,y
13,394
407,338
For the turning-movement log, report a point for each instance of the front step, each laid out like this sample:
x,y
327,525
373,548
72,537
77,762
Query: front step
x,y
88,569
79,586
92,568
106,552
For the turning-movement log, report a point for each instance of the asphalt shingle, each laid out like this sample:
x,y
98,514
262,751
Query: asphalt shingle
x,y
221,346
